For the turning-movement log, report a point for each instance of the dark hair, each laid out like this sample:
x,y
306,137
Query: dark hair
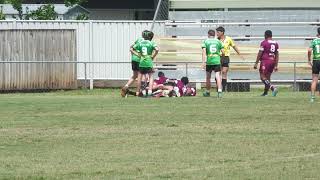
x,y
172,93
221,29
319,31
211,32
150,35
145,33
160,74
185,80
268,34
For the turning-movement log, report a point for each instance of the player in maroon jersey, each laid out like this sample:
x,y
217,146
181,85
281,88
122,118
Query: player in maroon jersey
x,y
268,57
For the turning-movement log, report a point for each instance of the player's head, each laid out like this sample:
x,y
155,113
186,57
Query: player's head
x,y
172,94
220,31
190,91
211,33
145,33
319,31
160,74
268,34
185,80
150,35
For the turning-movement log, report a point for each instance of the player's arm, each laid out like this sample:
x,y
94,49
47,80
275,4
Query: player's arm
x,y
233,45
277,61
309,56
222,52
132,45
237,51
133,51
222,49
259,56
132,48
204,57
258,59
155,52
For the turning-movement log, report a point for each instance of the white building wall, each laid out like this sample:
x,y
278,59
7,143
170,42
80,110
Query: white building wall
x,y
98,41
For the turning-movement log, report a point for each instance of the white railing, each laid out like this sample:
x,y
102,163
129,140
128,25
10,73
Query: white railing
x,y
87,70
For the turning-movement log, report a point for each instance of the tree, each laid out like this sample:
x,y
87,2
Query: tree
x,y
17,5
4,1
2,16
82,16
44,12
70,3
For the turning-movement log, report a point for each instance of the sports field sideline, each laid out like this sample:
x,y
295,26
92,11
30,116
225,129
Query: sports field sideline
x,y
99,135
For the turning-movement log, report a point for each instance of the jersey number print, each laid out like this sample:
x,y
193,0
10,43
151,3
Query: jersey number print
x,y
213,48
144,51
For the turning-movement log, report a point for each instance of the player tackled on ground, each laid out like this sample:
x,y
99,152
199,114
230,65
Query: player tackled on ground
x,y
211,51
225,58
315,64
147,50
268,57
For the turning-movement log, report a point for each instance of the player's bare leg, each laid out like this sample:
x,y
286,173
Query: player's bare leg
x,y
150,84
208,84
315,78
219,84
139,84
273,88
224,74
266,83
265,78
124,89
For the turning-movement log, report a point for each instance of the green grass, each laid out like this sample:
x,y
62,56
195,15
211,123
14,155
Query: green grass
x,y
98,135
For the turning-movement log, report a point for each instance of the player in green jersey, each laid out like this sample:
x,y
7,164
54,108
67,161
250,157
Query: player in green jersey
x,y
211,52
315,64
147,50
135,60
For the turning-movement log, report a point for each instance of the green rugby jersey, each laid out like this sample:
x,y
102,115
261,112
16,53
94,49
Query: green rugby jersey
x,y
145,48
213,48
134,57
315,45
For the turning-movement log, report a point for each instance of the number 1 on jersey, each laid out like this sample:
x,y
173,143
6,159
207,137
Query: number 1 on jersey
x,y
318,49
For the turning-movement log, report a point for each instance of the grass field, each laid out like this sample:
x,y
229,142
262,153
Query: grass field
x,y
98,135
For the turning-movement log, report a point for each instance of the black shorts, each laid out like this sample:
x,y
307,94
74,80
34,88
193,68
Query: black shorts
x,y
215,68
145,70
316,67
225,60
135,66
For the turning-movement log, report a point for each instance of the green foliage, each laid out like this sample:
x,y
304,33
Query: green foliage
x,y
17,5
70,3
82,16
45,12
4,1
2,16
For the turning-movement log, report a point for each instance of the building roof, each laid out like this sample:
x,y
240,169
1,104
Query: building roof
x,y
59,8
247,4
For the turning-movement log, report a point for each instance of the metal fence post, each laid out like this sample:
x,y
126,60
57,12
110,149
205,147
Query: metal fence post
x,y
186,69
91,65
295,76
91,78
85,75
